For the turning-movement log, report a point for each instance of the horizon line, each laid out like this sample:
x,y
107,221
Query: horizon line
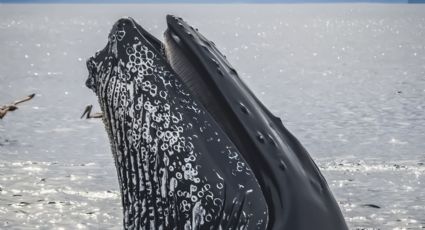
x,y
203,2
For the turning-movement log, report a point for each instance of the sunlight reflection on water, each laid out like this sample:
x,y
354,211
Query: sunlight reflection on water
x,y
347,80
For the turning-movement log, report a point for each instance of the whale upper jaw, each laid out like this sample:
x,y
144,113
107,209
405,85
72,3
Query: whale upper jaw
x,y
295,191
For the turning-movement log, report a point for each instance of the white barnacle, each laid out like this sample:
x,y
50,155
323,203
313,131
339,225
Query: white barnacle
x,y
198,213
164,183
219,185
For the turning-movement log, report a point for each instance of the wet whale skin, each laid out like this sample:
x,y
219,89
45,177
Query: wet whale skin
x,y
297,194
180,168
176,167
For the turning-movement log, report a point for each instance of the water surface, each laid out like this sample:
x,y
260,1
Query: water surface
x,y
347,80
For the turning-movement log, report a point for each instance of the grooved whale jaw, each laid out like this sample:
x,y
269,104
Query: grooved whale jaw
x,y
176,167
192,144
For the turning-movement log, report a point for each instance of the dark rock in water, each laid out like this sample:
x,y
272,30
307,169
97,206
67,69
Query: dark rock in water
x,y
23,203
193,146
371,206
21,211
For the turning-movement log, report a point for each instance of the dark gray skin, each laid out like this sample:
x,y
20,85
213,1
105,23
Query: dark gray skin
x,y
176,167
259,175
297,194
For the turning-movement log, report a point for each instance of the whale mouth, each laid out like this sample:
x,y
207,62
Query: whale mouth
x,y
296,193
194,73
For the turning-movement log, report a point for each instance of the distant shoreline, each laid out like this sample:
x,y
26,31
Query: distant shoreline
x,y
207,2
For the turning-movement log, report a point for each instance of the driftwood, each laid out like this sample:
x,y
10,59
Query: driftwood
x,y
13,106
88,115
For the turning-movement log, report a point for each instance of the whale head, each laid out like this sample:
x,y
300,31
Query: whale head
x,y
192,144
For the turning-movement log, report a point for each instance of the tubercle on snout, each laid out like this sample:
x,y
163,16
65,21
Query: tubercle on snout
x,y
91,79
93,62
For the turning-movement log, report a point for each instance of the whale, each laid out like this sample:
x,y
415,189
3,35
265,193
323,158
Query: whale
x,y
194,148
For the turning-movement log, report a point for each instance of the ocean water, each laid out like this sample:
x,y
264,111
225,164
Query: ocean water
x,y
347,79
